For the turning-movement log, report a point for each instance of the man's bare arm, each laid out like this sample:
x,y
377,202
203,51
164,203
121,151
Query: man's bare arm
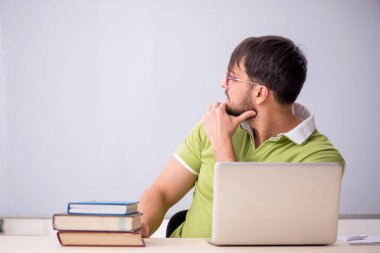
x,y
172,184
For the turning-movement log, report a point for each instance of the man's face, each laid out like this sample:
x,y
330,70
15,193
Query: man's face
x,y
239,94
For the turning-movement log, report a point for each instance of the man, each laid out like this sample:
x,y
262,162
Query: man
x,y
259,122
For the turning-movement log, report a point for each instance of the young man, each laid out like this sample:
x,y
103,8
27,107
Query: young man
x,y
259,122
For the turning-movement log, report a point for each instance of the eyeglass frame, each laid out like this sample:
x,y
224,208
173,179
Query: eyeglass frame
x,y
229,78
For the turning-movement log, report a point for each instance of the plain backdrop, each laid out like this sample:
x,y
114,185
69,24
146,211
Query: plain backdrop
x,y
97,95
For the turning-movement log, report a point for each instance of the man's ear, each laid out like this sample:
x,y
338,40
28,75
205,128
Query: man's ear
x,y
261,93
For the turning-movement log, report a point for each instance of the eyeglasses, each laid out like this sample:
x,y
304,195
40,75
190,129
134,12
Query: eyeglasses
x,y
229,78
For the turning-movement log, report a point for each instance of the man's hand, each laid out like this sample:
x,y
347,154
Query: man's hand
x,y
145,230
220,128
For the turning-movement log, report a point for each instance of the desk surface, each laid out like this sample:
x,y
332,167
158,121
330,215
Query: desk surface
x,y
41,244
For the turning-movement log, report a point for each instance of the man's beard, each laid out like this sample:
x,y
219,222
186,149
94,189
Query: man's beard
x,y
245,105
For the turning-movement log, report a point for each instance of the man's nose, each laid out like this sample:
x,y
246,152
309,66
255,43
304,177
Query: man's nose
x,y
223,83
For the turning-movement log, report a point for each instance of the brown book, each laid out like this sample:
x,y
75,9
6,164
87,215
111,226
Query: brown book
x,y
116,223
83,238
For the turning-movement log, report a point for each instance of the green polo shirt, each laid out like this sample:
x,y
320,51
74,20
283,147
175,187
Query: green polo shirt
x,y
302,144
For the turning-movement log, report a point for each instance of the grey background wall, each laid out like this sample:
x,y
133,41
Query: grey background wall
x,y
96,96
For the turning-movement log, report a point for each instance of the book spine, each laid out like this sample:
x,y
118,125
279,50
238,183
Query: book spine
x,y
59,239
53,221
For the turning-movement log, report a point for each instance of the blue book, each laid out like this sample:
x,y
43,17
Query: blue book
x,y
103,207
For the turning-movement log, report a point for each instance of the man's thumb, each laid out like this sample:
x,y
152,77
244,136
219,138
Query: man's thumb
x,y
246,115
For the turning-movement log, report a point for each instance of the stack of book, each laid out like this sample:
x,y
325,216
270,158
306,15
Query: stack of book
x,y
98,223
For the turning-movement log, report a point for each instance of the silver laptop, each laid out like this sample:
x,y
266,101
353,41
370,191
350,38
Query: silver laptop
x,y
276,203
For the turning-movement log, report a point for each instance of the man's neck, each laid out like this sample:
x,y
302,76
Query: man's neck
x,y
273,121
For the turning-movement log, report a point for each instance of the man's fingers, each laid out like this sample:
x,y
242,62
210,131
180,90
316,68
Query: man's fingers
x,y
246,115
145,230
216,105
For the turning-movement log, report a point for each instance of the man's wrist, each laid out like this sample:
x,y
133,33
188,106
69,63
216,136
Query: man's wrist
x,y
224,152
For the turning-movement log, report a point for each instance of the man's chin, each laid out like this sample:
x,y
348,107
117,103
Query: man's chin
x,y
230,111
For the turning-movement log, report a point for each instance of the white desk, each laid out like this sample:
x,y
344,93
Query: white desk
x,y
42,244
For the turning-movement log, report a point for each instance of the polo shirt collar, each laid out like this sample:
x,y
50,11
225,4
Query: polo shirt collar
x,y
301,132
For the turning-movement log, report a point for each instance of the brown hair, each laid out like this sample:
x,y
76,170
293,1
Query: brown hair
x,y
274,61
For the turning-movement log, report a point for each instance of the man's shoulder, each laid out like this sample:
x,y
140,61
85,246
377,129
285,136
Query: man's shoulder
x,y
318,148
318,140
198,136
319,143
198,131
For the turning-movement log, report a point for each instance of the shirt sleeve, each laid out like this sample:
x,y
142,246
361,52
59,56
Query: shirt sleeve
x,y
189,154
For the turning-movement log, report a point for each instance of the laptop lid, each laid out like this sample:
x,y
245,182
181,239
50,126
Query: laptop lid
x,y
276,203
